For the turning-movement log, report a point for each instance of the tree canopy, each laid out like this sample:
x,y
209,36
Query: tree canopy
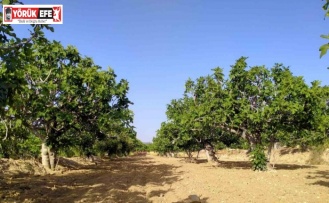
x,y
55,95
260,105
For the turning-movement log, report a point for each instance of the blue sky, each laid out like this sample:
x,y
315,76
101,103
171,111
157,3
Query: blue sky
x,y
158,44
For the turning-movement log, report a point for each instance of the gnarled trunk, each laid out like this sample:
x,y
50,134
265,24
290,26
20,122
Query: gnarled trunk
x,y
47,157
44,156
197,156
272,152
210,152
51,155
189,154
269,151
252,142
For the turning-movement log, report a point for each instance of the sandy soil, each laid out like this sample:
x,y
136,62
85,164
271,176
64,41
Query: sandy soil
x,y
159,179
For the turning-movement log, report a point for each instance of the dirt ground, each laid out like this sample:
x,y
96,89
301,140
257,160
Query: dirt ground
x,y
152,178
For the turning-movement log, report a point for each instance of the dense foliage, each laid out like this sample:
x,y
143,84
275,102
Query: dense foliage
x,y
260,105
52,95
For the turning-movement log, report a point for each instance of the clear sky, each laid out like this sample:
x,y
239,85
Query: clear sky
x,y
158,44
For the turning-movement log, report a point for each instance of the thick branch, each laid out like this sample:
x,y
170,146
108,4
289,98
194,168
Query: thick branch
x,y
18,45
2,121
43,81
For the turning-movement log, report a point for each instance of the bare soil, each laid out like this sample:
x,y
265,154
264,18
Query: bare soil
x,y
152,178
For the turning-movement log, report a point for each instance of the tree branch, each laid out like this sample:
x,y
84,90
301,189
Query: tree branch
x,y
42,81
18,45
3,121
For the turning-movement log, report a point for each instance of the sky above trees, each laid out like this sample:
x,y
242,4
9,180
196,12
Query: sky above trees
x,y
158,45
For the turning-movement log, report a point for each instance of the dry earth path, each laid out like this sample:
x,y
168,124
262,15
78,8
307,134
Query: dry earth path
x,y
158,179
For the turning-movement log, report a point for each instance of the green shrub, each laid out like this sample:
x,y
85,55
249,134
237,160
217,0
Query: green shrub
x,y
220,146
258,159
69,152
16,147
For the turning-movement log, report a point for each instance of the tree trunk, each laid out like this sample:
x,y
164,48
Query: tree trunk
x,y
167,154
189,154
197,156
44,156
269,155
51,154
252,142
269,151
47,157
210,153
273,152
208,157
173,154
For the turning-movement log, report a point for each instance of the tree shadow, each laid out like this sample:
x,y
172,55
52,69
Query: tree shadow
x,y
194,160
235,164
292,166
188,199
246,165
3,165
70,164
285,151
200,161
118,180
322,175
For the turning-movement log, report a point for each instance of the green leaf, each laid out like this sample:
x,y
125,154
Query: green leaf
x,y
325,36
5,2
323,49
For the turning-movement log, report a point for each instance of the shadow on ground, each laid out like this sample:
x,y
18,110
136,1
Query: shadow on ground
x,y
247,165
188,199
118,180
291,166
3,165
322,175
291,151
